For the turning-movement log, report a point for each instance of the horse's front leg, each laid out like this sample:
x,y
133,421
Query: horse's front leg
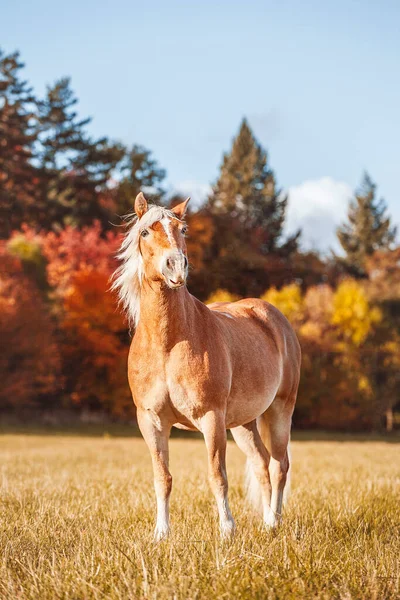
x,y
156,434
213,428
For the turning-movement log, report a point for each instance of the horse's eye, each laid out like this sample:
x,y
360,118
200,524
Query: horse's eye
x,y
144,233
184,230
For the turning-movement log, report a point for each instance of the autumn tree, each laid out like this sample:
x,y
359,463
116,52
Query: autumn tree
x,y
368,228
30,365
94,337
383,286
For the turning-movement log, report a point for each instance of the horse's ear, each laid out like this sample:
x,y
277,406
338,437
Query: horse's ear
x,y
180,209
140,205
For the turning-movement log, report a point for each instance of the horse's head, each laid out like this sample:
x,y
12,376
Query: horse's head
x,y
162,242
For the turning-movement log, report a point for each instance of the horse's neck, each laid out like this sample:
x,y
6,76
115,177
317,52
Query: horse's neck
x,y
166,315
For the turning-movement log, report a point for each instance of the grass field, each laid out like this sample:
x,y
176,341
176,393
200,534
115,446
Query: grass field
x,y
77,518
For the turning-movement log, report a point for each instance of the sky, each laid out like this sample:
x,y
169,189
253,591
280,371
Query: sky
x,y
318,81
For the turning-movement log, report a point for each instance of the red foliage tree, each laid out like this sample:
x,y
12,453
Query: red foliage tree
x,y
95,341
30,361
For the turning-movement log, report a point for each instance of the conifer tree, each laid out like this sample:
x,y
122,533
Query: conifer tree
x,y
17,137
246,191
368,228
139,171
74,166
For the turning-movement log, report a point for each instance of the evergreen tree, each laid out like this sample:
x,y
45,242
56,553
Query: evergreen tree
x,y
368,228
18,176
246,191
139,171
75,167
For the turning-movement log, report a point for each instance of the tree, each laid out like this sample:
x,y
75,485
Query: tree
x,y
368,228
18,176
95,347
383,287
93,333
140,171
246,190
289,300
30,365
74,167
353,316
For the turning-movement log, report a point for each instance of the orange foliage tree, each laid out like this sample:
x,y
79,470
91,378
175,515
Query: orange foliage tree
x,y
30,365
92,331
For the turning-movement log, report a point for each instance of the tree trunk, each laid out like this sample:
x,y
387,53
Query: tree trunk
x,y
389,419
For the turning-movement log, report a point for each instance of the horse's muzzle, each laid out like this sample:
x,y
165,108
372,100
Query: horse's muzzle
x,y
175,269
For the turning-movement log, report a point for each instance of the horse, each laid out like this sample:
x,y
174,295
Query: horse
x,y
231,365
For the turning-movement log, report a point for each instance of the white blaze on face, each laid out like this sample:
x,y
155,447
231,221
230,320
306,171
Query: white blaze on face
x,y
166,223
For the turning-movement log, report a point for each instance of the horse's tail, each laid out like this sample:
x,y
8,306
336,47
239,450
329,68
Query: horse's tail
x,y
252,486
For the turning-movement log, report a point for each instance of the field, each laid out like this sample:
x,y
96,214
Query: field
x,y
77,517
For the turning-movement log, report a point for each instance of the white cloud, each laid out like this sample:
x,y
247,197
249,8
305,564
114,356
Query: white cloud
x,y
318,207
197,191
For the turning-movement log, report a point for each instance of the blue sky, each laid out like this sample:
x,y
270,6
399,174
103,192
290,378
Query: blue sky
x,y
318,81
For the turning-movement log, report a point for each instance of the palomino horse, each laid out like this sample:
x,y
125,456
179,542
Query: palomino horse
x,y
209,368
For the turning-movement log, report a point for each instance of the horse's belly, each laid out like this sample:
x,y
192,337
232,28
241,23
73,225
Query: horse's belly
x,y
242,410
253,390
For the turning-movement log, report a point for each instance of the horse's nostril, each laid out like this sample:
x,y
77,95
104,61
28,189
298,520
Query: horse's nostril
x,y
185,261
169,263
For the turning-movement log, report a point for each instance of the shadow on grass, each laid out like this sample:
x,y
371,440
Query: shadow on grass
x,y
131,430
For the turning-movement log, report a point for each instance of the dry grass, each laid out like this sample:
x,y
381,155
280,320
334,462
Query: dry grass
x,y
77,517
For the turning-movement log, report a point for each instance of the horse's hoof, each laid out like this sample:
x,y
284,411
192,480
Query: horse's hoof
x,y
160,535
228,529
271,520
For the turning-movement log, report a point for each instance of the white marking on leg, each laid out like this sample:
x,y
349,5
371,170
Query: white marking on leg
x,y
162,524
226,521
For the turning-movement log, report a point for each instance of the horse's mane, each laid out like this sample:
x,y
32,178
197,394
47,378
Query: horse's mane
x,y
127,279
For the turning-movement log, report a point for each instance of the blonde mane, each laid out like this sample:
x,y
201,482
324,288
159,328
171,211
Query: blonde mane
x,y
129,275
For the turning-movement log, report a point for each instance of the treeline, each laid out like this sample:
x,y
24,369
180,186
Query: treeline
x,y
64,342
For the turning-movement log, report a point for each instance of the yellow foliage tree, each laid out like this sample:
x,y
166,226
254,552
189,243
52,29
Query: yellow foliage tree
x,y
222,296
289,300
353,316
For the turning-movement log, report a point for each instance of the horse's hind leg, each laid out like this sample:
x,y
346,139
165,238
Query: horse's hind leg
x,y
249,441
274,426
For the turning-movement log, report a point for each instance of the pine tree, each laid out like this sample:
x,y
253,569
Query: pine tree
x,y
246,191
75,167
18,176
368,228
139,171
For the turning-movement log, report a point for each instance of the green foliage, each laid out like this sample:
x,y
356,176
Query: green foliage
x,y
140,172
17,137
52,172
368,228
74,168
246,190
